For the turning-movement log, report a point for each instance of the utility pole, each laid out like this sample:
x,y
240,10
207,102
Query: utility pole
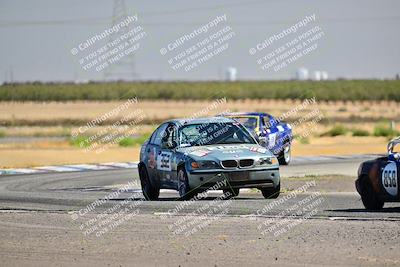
x,y
125,68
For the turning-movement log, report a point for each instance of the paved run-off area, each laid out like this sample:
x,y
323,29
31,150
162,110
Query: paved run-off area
x,y
50,219
43,239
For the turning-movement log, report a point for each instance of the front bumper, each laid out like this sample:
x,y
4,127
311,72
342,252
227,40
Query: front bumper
x,y
264,178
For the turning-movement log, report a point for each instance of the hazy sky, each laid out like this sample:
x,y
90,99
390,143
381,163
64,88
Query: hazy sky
x,y
361,37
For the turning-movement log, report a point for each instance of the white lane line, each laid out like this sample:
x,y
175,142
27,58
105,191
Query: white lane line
x,y
58,169
90,167
126,165
19,171
133,165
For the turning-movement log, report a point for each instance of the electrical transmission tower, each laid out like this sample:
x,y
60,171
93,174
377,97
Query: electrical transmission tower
x,y
124,69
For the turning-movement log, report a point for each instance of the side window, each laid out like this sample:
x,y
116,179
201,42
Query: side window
x,y
158,135
265,123
169,136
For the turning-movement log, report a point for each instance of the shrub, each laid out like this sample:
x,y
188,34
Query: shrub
x,y
133,141
385,131
336,130
302,140
349,90
360,132
80,141
127,141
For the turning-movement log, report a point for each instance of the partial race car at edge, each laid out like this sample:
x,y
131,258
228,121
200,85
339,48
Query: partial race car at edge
x,y
378,179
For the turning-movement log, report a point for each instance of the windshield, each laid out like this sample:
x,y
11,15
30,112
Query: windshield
x,y
248,122
394,146
214,133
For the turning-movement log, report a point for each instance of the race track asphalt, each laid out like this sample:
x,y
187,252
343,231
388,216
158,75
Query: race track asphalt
x,y
40,212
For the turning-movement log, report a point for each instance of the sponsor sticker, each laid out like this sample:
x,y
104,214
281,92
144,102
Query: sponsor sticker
x,y
280,128
200,153
272,140
152,158
261,150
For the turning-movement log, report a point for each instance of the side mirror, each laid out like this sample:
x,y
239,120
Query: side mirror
x,y
262,140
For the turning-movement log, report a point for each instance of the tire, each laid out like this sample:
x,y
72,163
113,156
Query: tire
x,y
149,189
183,185
231,192
369,198
271,193
286,154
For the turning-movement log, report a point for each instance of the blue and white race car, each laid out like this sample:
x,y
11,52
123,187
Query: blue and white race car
x,y
378,179
193,155
271,133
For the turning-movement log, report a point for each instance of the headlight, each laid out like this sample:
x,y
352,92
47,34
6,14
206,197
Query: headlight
x,y
204,164
267,161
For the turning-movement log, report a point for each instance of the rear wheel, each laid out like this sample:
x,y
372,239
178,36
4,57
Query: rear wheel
x,y
286,155
149,189
271,193
369,198
231,192
183,185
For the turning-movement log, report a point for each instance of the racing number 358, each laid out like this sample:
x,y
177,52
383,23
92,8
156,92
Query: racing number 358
x,y
389,178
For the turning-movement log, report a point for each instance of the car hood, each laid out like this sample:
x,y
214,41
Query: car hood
x,y
224,152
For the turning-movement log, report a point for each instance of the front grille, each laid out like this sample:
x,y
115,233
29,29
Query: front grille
x,y
245,163
229,163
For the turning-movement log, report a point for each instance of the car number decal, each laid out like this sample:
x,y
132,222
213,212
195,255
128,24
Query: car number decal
x,y
389,178
164,161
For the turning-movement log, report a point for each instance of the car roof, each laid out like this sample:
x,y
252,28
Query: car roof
x,y
188,121
261,114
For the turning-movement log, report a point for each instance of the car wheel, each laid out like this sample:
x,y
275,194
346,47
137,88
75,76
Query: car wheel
x,y
150,191
286,155
231,192
271,193
369,198
183,185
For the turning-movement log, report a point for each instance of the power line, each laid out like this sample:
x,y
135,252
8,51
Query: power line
x,y
98,21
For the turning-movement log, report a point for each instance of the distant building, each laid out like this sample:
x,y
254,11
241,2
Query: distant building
x,y
324,75
302,74
231,74
317,75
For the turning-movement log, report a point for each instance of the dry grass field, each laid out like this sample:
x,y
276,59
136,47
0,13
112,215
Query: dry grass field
x,y
59,119
53,112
